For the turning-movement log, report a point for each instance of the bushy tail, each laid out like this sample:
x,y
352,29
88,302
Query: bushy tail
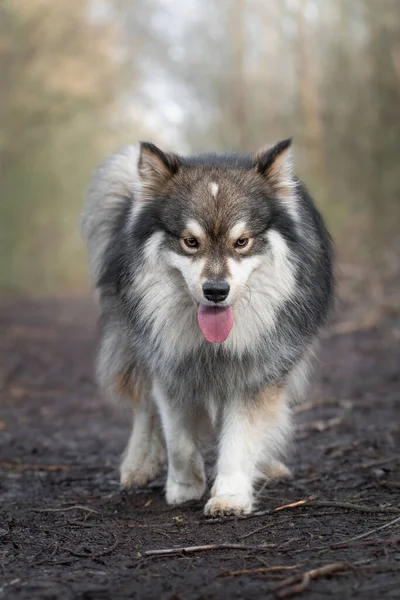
x,y
113,186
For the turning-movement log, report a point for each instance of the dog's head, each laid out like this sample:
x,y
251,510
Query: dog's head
x,y
213,218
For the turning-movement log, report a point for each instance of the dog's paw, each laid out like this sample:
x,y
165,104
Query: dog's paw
x,y
228,504
139,472
276,470
177,493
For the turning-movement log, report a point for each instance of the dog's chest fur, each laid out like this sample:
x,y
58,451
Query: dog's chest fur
x,y
167,340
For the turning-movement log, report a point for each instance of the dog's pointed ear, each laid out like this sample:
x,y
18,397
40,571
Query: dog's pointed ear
x,y
275,163
155,167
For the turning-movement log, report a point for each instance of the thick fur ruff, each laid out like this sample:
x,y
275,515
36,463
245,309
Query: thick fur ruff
x,y
157,227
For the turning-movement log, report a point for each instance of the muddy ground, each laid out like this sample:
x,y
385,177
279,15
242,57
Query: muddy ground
x,y
67,531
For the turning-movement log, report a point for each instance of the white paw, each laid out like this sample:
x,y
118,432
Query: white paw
x,y
177,493
141,469
228,504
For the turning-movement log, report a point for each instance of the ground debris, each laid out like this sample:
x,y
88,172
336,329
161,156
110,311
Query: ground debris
x,y
68,530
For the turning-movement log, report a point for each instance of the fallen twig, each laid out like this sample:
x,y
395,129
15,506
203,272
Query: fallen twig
x,y
243,537
299,583
76,506
277,509
260,570
29,467
366,534
346,505
356,507
343,545
288,542
381,568
306,406
295,504
380,461
206,548
390,484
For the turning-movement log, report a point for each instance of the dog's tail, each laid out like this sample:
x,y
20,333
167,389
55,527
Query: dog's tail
x,y
113,187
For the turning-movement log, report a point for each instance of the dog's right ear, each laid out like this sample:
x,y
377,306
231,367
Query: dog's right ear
x,y
155,167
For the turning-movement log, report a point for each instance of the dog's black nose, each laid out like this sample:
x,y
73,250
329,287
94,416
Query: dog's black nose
x,y
216,290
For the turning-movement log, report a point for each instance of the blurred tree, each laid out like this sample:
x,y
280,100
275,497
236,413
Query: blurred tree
x,y
81,76
61,80
248,72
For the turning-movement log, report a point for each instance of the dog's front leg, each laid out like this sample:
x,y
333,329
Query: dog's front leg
x,y
186,477
144,454
253,432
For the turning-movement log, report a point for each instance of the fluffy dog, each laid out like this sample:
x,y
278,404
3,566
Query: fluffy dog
x,y
214,276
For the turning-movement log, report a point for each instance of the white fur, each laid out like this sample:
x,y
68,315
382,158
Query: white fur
x,y
195,229
237,230
113,181
191,271
144,455
245,443
166,302
270,280
152,248
186,476
285,184
214,187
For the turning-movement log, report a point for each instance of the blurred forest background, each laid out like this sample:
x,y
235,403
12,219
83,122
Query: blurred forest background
x,y
81,77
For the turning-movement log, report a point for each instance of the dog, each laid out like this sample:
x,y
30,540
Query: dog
x,y
214,278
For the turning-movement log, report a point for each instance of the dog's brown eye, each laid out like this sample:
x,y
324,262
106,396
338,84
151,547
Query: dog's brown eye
x,y
191,243
241,242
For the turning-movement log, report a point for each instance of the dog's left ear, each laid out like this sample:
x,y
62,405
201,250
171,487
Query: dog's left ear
x,y
155,167
275,163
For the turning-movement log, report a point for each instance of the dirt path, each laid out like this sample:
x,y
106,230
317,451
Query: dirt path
x,y
67,531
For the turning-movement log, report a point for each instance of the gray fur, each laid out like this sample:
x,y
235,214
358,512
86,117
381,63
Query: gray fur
x,y
149,327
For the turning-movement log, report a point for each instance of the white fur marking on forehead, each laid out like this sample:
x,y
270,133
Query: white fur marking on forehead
x,y
214,187
195,228
237,230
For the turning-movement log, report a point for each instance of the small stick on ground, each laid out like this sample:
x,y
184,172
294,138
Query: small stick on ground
x,y
299,583
76,506
380,461
29,467
390,484
261,570
357,507
343,545
366,534
295,504
207,548
311,501
243,537
279,508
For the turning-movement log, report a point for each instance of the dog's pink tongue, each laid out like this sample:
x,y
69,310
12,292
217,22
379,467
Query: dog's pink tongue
x,y
215,322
